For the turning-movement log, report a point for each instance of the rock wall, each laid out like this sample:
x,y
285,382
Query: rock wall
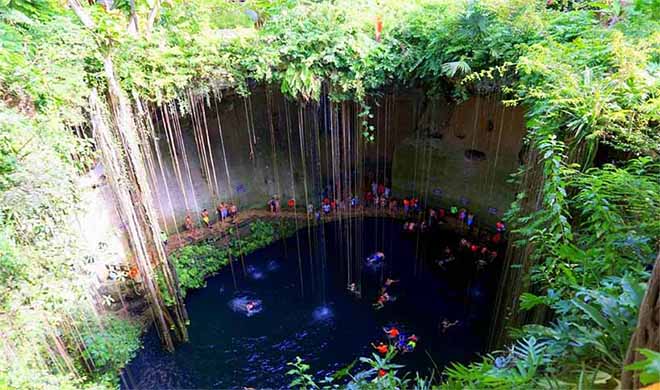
x,y
462,155
250,168
446,153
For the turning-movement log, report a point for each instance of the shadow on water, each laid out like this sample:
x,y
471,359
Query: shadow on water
x,y
231,347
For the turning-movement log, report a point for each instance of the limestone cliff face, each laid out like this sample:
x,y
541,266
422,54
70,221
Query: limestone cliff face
x,y
248,170
462,155
449,154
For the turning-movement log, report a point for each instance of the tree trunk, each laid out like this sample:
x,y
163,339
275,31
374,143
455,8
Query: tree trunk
x,y
152,18
133,21
84,17
114,166
647,333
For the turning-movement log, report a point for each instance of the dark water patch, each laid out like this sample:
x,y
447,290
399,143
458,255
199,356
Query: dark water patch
x,y
328,326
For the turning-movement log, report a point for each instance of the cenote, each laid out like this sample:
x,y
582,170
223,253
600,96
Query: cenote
x,y
427,194
324,323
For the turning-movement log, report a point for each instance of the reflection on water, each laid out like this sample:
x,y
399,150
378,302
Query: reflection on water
x,y
324,323
247,305
322,314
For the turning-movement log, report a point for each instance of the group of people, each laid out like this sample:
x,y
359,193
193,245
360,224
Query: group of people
x,y
379,196
384,296
482,252
224,210
397,340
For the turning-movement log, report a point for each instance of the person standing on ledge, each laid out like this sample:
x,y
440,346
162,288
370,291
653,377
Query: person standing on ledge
x,y
205,218
189,226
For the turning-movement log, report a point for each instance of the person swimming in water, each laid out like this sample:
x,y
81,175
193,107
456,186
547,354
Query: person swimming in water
x,y
383,298
250,306
392,332
381,348
376,258
411,343
353,289
445,324
389,282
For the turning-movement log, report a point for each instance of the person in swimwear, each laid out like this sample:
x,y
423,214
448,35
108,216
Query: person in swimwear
x,y
205,218
376,258
380,303
381,348
352,288
446,324
392,332
389,282
250,306
410,345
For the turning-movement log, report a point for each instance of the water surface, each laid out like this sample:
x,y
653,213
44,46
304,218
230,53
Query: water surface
x,y
322,322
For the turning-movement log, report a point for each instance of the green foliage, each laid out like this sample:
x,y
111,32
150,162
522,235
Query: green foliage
x,y
193,263
587,73
607,226
302,379
518,367
649,368
376,373
115,345
594,238
592,329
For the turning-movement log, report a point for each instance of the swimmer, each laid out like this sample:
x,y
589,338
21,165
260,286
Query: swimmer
x,y
401,342
446,324
352,288
481,264
389,282
411,343
250,306
392,332
376,257
381,348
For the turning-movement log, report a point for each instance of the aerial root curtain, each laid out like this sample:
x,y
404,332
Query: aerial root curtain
x,y
123,160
